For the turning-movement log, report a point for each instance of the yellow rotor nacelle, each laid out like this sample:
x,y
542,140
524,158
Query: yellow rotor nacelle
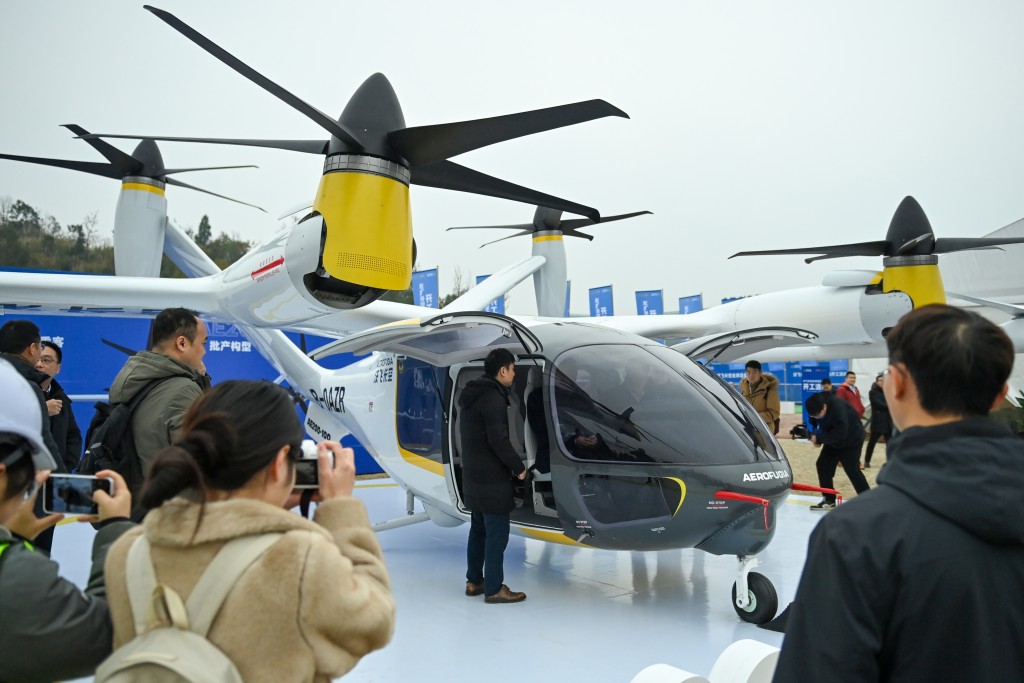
x,y
916,276
364,202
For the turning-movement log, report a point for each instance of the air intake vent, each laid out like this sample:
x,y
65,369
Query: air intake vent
x,y
373,264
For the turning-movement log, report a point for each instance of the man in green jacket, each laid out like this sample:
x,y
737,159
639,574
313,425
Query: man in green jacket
x,y
176,363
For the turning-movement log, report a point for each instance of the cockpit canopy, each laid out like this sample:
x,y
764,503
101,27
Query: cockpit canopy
x,y
649,404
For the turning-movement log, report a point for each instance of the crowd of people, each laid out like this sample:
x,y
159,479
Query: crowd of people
x,y
891,589
216,466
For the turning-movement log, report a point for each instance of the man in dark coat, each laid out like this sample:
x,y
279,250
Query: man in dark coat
x,y
841,434
488,464
919,579
881,420
63,426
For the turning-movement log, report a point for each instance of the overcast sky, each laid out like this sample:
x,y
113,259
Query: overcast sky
x,y
754,125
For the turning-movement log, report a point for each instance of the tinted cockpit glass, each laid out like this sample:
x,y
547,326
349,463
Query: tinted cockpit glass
x,y
625,403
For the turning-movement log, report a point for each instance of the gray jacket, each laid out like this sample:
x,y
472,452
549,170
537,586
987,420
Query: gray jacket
x,y
158,418
51,630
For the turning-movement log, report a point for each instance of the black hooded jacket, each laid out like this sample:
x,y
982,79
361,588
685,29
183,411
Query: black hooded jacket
x,y
841,427
921,578
488,460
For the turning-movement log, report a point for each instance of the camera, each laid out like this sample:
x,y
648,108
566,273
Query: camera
x,y
307,467
72,493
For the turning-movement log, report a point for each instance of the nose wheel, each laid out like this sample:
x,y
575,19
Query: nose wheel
x,y
753,595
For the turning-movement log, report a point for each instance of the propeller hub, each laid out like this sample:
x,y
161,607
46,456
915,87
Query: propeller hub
x,y
150,160
911,260
361,163
134,182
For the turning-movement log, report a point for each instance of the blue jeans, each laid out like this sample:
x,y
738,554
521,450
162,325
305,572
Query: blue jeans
x,y
485,552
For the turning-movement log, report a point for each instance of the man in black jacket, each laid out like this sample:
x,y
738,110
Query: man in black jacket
x,y
841,434
919,579
63,426
488,464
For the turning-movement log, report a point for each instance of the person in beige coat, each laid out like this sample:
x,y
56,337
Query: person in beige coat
x,y
762,390
319,598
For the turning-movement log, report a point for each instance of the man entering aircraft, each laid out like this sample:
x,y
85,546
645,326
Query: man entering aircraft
x,y
489,463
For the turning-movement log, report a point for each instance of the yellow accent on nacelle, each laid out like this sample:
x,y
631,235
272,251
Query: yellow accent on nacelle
x,y
142,187
369,229
548,238
923,284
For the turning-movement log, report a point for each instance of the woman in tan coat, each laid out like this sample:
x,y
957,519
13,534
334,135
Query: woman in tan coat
x,y
319,598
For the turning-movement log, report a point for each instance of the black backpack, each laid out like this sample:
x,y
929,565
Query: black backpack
x,y
110,443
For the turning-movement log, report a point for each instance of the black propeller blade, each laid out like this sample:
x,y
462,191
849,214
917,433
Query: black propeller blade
x,y
910,234
374,111
146,161
549,219
306,146
333,127
126,164
171,171
449,175
423,145
175,181
92,167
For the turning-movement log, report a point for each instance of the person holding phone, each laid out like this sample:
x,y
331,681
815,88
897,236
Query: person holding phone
x,y
317,599
51,629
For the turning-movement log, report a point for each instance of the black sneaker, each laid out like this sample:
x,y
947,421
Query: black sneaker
x,y
823,506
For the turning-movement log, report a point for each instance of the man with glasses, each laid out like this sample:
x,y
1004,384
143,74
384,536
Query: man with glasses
x,y
63,425
920,578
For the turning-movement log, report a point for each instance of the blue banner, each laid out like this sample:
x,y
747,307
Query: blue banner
x,y
601,301
568,290
496,306
650,302
810,382
691,304
732,298
424,288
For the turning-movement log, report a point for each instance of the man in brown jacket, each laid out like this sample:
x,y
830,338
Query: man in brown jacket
x,y
762,390
176,362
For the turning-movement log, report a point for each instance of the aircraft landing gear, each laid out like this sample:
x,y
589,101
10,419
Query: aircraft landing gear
x,y
753,595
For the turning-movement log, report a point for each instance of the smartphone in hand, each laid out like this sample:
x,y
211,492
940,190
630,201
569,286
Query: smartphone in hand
x,y
71,494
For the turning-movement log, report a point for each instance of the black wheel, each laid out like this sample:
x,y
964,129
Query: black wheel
x,y
763,601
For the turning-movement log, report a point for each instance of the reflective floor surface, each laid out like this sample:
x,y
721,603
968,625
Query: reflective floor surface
x,y
590,615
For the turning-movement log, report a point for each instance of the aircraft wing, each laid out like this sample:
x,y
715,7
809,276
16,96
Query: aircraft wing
x,y
63,294
479,297
699,324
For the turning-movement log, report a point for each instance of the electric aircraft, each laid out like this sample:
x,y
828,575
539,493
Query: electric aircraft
x,y
645,449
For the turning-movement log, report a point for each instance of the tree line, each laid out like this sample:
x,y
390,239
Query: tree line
x,y
32,239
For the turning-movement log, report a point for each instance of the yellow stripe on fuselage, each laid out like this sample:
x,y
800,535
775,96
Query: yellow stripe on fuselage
x,y
420,461
549,536
142,187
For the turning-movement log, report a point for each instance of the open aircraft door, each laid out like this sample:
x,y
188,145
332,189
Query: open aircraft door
x,y
727,347
442,341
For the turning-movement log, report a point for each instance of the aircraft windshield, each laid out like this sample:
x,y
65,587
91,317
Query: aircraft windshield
x,y
624,403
